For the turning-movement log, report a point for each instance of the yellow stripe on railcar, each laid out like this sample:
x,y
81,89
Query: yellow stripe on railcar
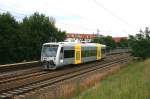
x,y
77,59
98,48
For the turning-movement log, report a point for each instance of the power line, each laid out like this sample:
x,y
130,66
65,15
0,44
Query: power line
x,y
12,12
110,12
72,14
17,15
77,26
20,15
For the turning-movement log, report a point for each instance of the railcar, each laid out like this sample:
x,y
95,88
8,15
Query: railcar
x,y
55,55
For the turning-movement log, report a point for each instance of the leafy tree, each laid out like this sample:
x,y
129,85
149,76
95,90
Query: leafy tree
x,y
140,43
38,29
123,43
8,37
110,42
99,39
60,35
107,40
23,41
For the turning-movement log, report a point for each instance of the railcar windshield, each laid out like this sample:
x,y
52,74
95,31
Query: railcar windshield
x,y
49,50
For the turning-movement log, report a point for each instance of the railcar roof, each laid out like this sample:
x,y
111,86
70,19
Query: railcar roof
x,y
72,44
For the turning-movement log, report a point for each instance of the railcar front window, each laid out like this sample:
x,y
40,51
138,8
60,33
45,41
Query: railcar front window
x,y
49,50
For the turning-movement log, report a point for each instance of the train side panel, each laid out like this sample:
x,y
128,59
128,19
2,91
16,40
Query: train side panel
x,y
66,55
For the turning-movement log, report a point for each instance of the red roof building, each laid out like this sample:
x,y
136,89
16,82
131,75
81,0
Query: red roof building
x,y
87,37
117,39
80,36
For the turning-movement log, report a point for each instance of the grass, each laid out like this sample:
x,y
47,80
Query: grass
x,y
131,82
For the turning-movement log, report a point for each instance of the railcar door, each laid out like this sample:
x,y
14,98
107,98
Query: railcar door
x,y
61,55
98,52
77,59
103,51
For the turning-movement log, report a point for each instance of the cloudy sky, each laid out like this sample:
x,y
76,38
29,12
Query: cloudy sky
x,y
110,17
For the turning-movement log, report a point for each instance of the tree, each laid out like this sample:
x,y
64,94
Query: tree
x,y
110,42
140,43
107,40
23,41
100,39
38,29
8,37
123,43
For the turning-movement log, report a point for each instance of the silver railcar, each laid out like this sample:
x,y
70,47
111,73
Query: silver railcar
x,y
55,55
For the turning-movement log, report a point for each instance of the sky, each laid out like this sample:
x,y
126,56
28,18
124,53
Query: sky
x,y
108,17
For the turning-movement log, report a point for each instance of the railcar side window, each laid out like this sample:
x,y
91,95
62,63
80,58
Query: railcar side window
x,y
103,51
89,52
68,53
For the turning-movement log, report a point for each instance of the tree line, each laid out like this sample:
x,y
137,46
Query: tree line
x,y
140,43
22,41
110,42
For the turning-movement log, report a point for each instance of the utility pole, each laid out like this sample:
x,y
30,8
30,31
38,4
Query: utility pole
x,y
98,32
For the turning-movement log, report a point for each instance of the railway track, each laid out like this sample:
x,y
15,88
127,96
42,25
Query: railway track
x,y
27,72
20,72
30,73
24,83
14,70
18,66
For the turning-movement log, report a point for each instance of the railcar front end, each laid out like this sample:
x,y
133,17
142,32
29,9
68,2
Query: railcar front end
x,y
49,55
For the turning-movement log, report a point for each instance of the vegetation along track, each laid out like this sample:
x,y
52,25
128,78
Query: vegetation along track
x,y
23,85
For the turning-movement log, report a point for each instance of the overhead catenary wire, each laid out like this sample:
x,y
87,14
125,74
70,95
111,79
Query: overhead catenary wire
x,y
112,13
17,15
12,12
22,15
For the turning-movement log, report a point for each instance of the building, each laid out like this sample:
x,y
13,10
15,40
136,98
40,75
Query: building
x,y
87,37
82,37
117,39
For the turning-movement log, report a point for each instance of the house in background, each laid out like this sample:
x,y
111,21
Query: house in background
x,y
117,39
81,37
86,37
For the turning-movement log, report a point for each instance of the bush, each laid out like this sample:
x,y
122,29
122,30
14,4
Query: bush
x,y
140,44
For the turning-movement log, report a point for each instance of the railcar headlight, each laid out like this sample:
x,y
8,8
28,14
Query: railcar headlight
x,y
43,58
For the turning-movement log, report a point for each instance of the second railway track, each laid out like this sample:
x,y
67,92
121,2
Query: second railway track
x,y
22,84
20,74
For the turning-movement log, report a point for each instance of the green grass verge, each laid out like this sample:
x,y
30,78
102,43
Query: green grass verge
x,y
131,82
